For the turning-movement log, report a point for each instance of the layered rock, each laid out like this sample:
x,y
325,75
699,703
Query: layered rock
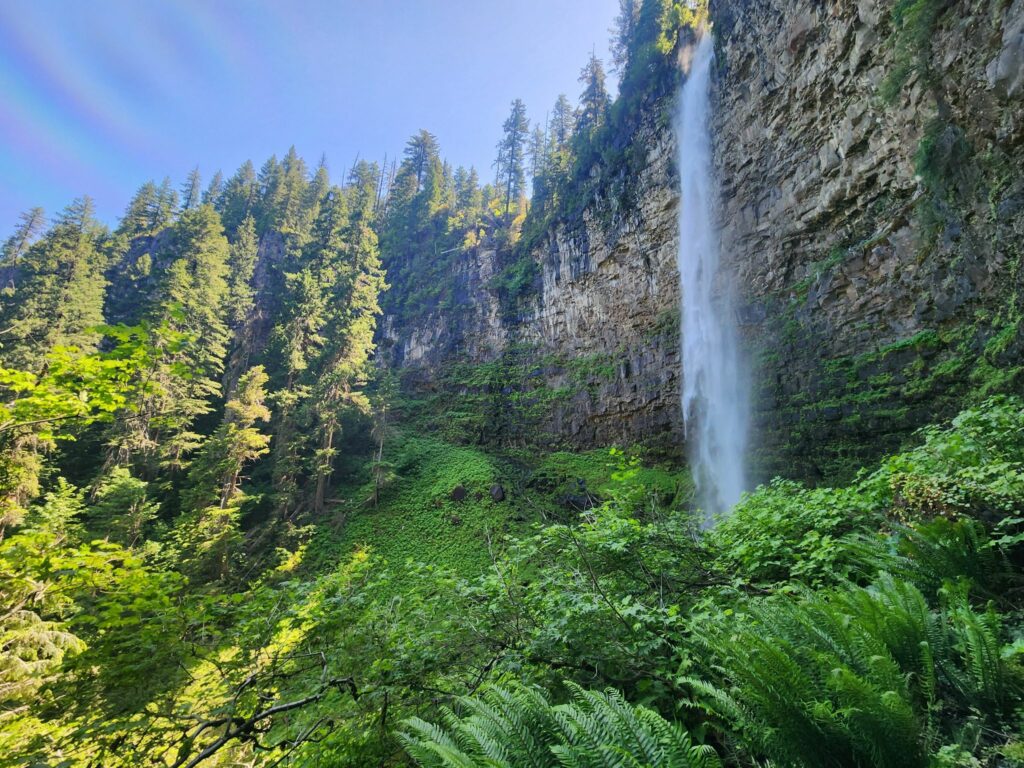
x,y
875,244
875,240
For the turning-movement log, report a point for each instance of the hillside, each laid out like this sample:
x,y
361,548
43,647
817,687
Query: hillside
x,y
392,466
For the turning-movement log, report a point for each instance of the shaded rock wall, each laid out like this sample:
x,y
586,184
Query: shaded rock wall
x,y
875,245
877,241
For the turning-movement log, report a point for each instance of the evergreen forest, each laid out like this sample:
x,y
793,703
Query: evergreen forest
x,y
237,529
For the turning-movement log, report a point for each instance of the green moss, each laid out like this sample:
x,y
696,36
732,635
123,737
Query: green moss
x,y
517,282
666,323
913,26
596,469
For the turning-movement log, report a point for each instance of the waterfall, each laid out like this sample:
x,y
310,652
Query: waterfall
x,y
715,403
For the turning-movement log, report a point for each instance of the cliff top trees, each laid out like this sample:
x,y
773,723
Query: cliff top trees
x,y
594,101
511,177
191,191
562,123
238,197
624,32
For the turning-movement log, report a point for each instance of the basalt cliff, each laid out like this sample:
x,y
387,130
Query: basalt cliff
x,y
872,220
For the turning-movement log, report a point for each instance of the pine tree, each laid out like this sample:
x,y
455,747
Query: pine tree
x,y
416,195
241,267
537,152
295,342
511,154
594,101
562,123
30,224
59,300
190,301
208,535
422,154
132,273
216,471
241,301
193,296
191,191
123,508
356,279
292,202
214,190
361,190
141,215
623,33
468,198
165,206
239,198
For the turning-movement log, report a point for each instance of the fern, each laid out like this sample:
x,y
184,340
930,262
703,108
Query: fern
x,y
853,676
516,727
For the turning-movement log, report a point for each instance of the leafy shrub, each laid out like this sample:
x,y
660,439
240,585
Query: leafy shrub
x,y
784,531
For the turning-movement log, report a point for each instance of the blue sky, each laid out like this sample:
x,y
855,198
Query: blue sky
x,y
101,95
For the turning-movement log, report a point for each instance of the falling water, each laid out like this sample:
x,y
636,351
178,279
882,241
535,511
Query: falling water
x,y
715,410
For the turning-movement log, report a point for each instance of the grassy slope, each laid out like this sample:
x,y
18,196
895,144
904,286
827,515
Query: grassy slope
x,y
418,520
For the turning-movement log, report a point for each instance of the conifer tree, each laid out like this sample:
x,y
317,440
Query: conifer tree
x,y
468,206
416,195
191,190
30,224
166,205
594,101
239,197
294,343
562,123
208,534
214,190
510,174
241,300
356,278
241,267
190,304
141,215
623,33
132,273
537,152
216,471
123,508
192,298
361,191
59,298
291,196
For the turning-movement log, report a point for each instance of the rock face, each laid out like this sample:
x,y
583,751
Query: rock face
x,y
601,327
875,242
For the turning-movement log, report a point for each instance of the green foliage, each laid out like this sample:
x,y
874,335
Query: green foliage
x,y
58,297
265,559
852,676
913,27
973,467
418,507
783,532
123,509
507,727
